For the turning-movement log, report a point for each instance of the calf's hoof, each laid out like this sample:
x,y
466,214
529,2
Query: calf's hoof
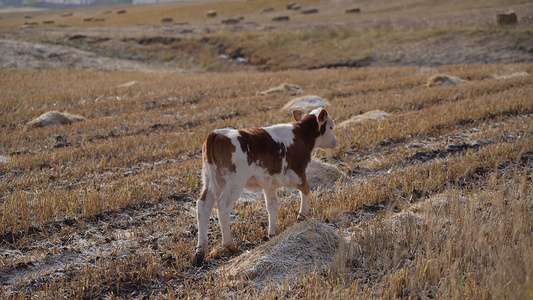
x,y
301,217
198,259
220,251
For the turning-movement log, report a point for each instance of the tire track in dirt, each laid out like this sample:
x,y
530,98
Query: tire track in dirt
x,y
58,249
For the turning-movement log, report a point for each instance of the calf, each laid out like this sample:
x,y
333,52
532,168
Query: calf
x,y
262,158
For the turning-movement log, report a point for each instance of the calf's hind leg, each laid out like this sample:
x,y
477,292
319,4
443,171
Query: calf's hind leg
x,y
224,207
204,206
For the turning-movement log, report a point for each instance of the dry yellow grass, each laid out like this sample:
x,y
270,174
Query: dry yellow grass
x,y
127,181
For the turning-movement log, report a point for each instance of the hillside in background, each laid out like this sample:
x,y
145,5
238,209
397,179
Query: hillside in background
x,y
180,36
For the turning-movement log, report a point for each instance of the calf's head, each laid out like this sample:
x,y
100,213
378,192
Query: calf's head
x,y
326,139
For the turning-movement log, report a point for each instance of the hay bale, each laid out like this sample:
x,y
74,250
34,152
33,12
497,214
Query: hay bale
x,y
305,103
280,19
231,21
323,175
167,20
370,115
504,19
284,87
54,118
304,247
292,5
353,11
211,13
48,22
444,80
66,14
121,12
310,11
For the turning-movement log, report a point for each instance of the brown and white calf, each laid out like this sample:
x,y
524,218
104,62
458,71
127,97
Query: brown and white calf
x,y
262,158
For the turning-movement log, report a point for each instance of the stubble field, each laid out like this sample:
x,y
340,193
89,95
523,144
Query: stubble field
x,y
436,202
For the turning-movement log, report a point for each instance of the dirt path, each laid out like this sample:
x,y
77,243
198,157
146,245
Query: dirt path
x,y
29,56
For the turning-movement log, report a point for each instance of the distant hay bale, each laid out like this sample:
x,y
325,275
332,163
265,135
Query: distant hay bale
x,y
310,11
305,103
504,19
284,87
323,175
211,13
231,21
167,20
353,10
406,220
444,80
370,115
292,5
66,14
87,19
55,118
280,19
121,12
306,246
510,76
48,22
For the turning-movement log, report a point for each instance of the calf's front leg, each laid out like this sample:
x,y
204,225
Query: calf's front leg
x,y
272,204
304,204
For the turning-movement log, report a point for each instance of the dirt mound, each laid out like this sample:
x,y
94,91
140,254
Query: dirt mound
x,y
371,115
323,175
444,80
54,118
306,246
284,87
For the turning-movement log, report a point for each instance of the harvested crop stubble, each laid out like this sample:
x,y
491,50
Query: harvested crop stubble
x,y
77,222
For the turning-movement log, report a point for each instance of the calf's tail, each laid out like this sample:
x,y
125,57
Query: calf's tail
x,y
209,168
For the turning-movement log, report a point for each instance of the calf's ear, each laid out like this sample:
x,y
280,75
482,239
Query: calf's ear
x,y
322,116
298,114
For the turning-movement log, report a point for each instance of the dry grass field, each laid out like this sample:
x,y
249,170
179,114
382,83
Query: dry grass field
x,y
438,197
